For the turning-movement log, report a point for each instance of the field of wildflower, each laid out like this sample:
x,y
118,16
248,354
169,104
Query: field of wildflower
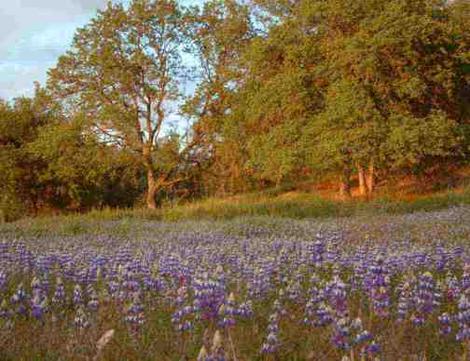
x,y
360,288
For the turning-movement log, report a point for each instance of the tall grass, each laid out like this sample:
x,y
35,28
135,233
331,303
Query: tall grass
x,y
295,205
307,205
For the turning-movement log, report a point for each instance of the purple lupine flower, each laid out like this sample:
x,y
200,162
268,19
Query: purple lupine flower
x,y
178,318
323,314
463,319
373,348
19,300
466,277
349,334
318,250
317,313
337,296
363,336
185,326
360,271
271,344
260,283
405,301
445,327
245,309
93,302
3,280
113,288
452,286
135,313
130,283
442,258
357,327
77,296
38,305
426,298
227,311
59,293
209,294
341,334
376,283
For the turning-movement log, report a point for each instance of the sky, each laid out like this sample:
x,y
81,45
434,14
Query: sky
x,y
33,34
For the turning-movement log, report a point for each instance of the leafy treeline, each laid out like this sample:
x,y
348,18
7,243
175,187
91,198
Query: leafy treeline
x,y
281,91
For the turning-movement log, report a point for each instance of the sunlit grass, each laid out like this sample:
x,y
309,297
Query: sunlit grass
x,y
296,205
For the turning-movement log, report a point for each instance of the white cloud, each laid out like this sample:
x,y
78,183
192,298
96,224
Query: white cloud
x,y
34,34
17,79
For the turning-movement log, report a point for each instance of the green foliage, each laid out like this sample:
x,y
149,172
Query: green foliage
x,y
49,163
411,140
349,128
81,170
335,86
20,123
276,154
122,75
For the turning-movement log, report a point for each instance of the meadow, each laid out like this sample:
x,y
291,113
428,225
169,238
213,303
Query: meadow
x,y
371,286
235,180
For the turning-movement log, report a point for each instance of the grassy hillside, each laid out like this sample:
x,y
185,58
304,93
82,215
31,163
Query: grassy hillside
x,y
296,205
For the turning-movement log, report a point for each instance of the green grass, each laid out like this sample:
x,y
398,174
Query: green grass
x,y
306,205
296,205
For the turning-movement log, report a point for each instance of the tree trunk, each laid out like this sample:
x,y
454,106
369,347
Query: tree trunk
x,y
151,190
362,180
345,185
371,178
344,190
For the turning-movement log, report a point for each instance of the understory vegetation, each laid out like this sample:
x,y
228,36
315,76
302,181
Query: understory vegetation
x,y
294,205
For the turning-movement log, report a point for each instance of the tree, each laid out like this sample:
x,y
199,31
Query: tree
x,y
220,31
391,70
79,172
283,90
279,97
20,122
122,75
349,88
346,133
